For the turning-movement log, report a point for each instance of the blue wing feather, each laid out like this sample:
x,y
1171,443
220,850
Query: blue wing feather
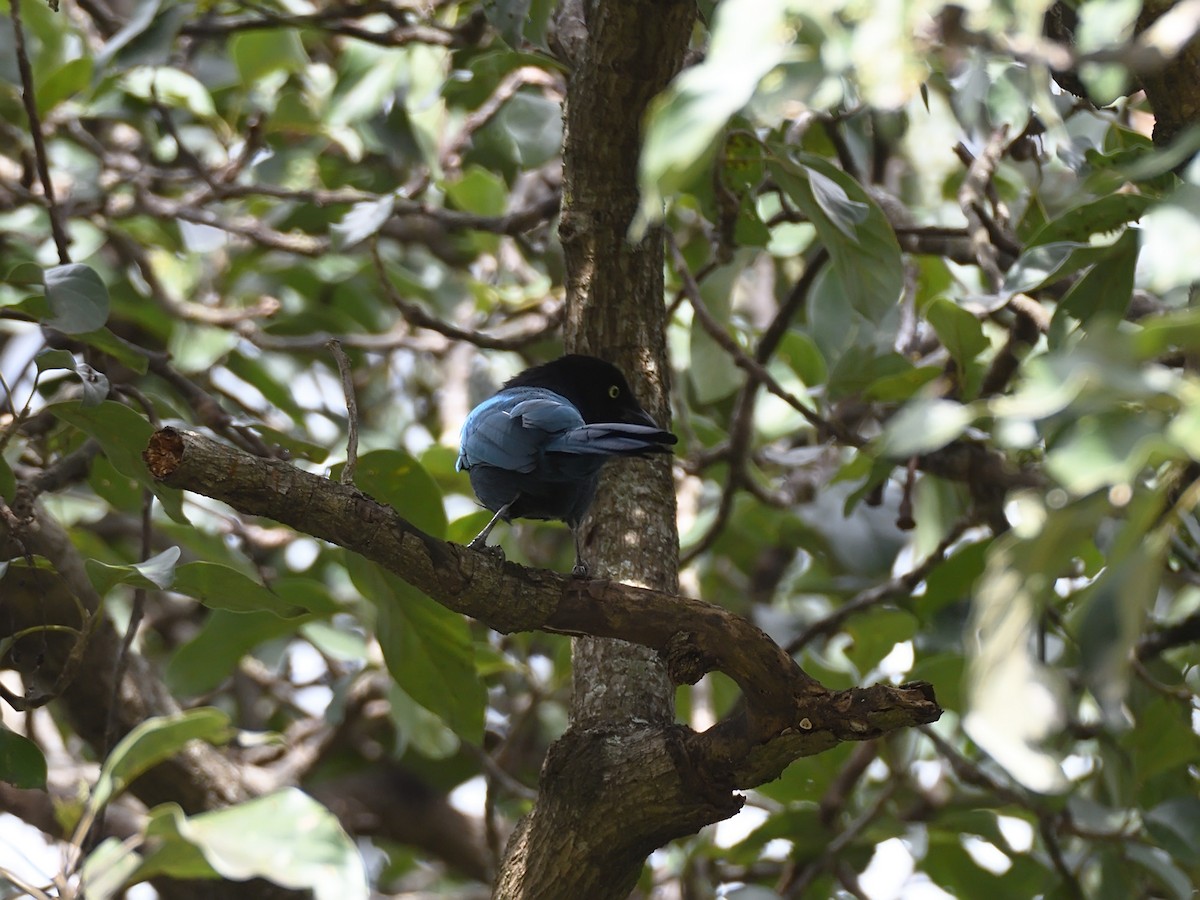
x,y
531,448
511,430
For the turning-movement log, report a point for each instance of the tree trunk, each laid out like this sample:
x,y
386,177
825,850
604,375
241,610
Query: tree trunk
x,y
611,789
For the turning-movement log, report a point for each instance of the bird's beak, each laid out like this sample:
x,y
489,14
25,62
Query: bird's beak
x,y
640,417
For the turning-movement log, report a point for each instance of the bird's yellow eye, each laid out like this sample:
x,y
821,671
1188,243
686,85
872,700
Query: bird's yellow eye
x,y
614,391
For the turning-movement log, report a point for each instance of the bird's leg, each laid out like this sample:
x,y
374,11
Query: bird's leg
x,y
479,542
581,568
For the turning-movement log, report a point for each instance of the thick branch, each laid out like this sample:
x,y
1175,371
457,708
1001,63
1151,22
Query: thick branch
x,y
788,714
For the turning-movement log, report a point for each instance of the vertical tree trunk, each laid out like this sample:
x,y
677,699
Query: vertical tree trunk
x,y
615,310
610,790
1174,89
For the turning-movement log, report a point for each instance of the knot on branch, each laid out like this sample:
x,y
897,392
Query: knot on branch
x,y
686,663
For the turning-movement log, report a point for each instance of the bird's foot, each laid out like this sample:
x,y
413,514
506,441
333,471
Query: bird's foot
x,y
493,550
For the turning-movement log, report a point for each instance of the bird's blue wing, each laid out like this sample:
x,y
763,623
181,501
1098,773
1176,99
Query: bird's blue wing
x,y
511,430
612,439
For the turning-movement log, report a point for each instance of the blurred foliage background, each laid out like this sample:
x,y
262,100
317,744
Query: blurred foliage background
x,y
932,338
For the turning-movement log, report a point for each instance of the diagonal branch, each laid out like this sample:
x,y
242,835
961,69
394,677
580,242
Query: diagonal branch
x,y
787,713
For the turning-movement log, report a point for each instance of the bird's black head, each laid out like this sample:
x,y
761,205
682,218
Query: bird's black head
x,y
597,388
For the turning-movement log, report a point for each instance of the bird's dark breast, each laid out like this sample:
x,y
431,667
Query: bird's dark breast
x,y
538,496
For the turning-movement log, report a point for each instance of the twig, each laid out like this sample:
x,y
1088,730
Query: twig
x,y
741,422
186,310
750,365
343,364
800,885
61,241
416,316
1183,632
881,593
774,333
971,197
451,154
7,874
136,612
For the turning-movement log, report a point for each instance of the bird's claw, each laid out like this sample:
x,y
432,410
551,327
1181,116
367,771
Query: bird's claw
x,y
491,550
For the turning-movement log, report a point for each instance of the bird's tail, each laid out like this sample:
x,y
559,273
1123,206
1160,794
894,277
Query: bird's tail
x,y
613,439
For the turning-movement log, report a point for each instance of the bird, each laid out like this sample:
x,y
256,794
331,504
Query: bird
x,y
535,448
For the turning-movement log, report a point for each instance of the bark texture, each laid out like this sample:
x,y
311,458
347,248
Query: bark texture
x,y
615,310
1174,88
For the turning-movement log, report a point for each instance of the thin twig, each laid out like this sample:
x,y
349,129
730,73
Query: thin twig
x,y
971,198
881,593
61,241
121,666
743,361
343,364
799,887
417,317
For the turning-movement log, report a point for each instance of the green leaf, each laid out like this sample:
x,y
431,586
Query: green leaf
x,y
859,239
427,648
396,478
1015,702
1106,287
286,837
362,221
924,425
143,14
1114,613
1170,235
533,126
70,79
107,870
897,381
171,854
210,657
1105,449
958,330
78,298
122,351
8,481
748,40
1159,866
712,372
170,87
49,360
875,633
21,761
845,214
122,435
26,274
95,384
1175,826
156,573
508,18
220,587
1174,330
418,728
152,742
800,353
260,53
479,191
292,443
1045,264
1107,214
